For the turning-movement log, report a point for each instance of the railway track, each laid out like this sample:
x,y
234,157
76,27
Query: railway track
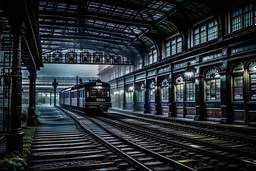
x,y
194,154
81,144
248,131
243,145
60,144
185,149
193,127
141,158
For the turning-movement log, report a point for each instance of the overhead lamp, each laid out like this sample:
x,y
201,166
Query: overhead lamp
x,y
189,74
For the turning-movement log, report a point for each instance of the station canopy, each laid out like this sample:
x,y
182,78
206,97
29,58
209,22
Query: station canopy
x,y
111,26
124,28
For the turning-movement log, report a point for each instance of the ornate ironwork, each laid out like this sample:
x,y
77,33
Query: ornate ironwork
x,y
71,57
86,58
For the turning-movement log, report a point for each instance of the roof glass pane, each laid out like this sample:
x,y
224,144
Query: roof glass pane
x,y
158,16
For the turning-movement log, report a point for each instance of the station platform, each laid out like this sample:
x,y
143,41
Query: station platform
x,y
188,121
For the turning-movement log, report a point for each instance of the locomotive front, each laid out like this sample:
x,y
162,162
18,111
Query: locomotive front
x,y
97,96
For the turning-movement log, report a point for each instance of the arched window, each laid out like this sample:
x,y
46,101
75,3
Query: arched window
x,y
165,92
212,80
252,77
179,86
238,85
152,92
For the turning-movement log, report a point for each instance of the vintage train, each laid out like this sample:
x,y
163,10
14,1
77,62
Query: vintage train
x,y
92,97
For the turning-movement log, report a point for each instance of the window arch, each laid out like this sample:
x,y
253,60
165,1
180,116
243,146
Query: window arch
x,y
238,83
239,67
252,78
212,80
165,91
179,87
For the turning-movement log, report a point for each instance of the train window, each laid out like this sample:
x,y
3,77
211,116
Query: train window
x,y
92,93
102,93
87,93
107,93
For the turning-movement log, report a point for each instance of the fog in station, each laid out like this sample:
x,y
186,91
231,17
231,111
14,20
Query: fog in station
x,y
66,70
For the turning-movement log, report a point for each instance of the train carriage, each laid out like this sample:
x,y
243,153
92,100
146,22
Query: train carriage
x,y
90,97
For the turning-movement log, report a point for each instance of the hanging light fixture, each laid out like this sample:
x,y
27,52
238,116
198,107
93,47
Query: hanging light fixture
x,y
189,74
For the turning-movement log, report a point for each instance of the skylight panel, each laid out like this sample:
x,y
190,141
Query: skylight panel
x,y
158,16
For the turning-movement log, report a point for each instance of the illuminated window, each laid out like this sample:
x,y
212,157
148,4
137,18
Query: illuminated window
x,y
252,77
139,64
167,49
152,56
243,17
173,52
205,32
165,91
173,46
212,30
238,87
190,91
152,92
212,80
179,88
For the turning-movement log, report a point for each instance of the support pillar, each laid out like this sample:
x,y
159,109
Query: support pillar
x,y
14,139
158,104
54,84
171,97
124,96
226,109
31,108
146,106
135,91
199,84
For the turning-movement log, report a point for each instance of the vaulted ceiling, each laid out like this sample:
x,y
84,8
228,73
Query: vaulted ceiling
x,y
114,26
121,27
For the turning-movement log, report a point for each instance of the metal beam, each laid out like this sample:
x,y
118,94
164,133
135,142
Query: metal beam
x,y
78,44
95,16
52,38
69,26
120,37
117,3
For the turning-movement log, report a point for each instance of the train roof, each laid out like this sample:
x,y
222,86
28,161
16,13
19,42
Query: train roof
x,y
97,82
65,89
87,84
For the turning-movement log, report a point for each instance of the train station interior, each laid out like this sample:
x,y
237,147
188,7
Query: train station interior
x,y
180,71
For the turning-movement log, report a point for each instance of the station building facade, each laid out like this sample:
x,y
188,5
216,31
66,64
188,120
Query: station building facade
x,y
207,72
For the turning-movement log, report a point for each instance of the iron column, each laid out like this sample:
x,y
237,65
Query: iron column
x,y
54,84
14,140
31,108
